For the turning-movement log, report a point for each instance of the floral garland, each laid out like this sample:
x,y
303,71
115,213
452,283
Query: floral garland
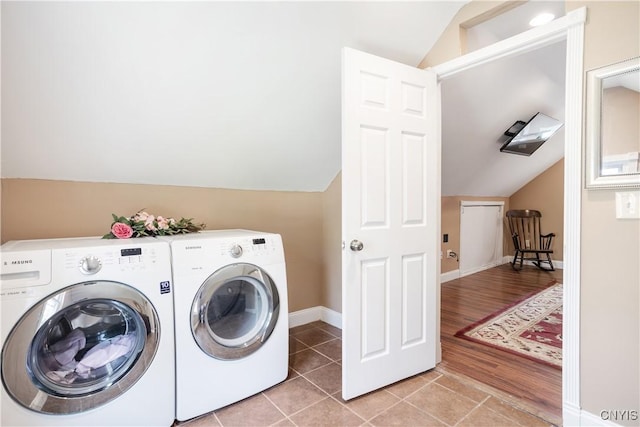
x,y
143,224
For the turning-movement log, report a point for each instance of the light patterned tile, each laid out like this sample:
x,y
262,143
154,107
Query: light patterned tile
x,y
337,332
294,395
485,417
327,412
284,423
430,398
506,410
405,415
442,403
295,345
370,404
298,329
254,411
307,360
431,375
462,388
292,374
313,337
405,387
332,349
328,378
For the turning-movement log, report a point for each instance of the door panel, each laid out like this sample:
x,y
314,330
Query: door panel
x,y
375,305
390,202
413,177
413,300
375,166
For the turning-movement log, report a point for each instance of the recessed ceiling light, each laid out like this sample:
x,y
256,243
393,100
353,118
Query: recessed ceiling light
x,y
542,19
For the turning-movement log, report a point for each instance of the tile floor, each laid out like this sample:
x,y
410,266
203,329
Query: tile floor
x,y
311,396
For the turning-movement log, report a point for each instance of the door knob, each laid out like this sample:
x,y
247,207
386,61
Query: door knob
x,y
356,245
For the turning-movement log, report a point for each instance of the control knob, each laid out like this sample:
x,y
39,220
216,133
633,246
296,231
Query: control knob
x,y
90,264
235,251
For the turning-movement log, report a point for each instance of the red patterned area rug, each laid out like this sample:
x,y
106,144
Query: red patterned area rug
x,y
531,327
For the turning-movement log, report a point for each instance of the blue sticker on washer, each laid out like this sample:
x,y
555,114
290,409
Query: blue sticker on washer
x,y
165,287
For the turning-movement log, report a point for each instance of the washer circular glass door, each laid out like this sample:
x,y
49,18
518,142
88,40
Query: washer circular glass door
x,y
80,347
234,311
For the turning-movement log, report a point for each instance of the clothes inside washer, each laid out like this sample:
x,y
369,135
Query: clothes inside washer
x,y
97,357
65,350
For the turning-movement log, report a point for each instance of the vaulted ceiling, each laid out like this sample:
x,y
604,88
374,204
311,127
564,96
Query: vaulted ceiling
x,y
478,105
239,95
246,95
481,103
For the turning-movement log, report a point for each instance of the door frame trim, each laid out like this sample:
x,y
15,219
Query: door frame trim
x,y
570,28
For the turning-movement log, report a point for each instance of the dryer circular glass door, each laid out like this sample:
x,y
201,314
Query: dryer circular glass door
x,y
80,348
235,311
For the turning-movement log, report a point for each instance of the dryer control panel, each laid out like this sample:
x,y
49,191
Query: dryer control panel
x,y
261,246
203,253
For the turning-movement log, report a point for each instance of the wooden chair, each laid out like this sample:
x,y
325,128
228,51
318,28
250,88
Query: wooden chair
x,y
528,240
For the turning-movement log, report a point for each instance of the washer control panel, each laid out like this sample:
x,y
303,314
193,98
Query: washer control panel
x,y
92,261
90,264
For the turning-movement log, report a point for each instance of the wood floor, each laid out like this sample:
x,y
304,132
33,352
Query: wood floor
x,y
536,387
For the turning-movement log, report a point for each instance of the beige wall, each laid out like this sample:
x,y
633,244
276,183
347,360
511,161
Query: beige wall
x,y
47,209
545,194
450,224
610,285
332,230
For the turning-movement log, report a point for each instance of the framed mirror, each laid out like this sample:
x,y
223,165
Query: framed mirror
x,y
613,126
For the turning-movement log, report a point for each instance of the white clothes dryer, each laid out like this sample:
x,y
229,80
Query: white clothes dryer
x,y
87,333
231,314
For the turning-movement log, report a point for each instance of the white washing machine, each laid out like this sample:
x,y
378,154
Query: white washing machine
x,y
231,317
87,333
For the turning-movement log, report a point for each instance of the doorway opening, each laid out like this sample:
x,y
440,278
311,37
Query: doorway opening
x,y
570,29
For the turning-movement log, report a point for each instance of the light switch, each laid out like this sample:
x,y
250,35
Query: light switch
x,y
627,204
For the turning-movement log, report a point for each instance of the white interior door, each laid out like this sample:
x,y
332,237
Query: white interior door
x,y
390,221
481,226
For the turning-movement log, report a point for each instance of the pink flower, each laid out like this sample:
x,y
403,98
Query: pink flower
x,y
121,230
148,224
140,216
163,223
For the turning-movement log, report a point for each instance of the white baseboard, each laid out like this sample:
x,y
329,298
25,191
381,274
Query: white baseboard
x,y
556,264
588,419
331,317
449,275
308,315
455,274
570,415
